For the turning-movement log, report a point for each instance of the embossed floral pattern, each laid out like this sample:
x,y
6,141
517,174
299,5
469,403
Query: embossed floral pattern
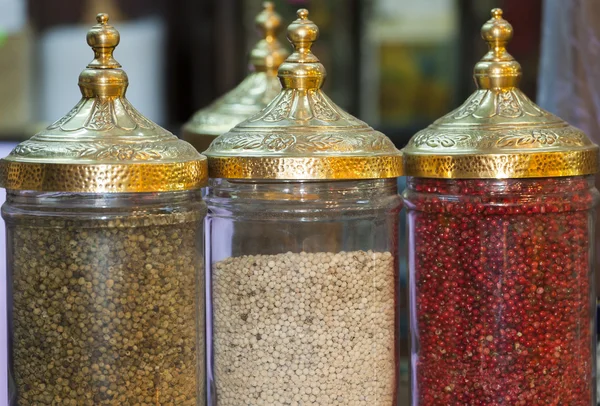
x,y
103,151
282,108
128,153
435,139
101,118
321,142
305,143
469,107
239,141
58,123
508,105
279,142
544,137
321,108
528,138
139,119
27,148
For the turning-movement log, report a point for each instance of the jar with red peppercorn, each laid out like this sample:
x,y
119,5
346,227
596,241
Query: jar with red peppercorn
x,y
500,200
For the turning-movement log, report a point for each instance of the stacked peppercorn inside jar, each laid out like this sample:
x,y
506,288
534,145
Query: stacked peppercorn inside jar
x,y
105,264
252,94
303,225
500,203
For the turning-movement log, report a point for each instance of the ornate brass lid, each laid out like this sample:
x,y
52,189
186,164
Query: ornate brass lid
x,y
103,144
302,134
254,92
498,132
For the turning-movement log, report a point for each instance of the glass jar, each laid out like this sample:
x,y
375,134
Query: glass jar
x,y
302,245
303,292
104,221
500,202
106,297
502,290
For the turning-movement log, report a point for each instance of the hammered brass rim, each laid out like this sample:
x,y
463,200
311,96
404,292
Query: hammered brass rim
x,y
503,166
103,178
306,168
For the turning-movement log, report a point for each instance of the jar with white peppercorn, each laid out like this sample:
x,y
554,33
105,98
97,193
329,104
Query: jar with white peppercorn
x,y
104,250
302,243
501,198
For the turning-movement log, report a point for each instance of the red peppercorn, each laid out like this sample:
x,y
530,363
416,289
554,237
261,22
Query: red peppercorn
x,y
501,291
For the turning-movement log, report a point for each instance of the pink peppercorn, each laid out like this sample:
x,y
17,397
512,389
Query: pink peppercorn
x,y
501,291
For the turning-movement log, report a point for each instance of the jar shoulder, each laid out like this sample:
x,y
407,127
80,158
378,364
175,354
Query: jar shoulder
x,y
104,208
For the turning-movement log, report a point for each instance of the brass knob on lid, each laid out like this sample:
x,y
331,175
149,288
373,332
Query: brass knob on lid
x,y
302,69
498,68
103,39
268,53
103,76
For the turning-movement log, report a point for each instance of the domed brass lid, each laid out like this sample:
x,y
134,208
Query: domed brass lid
x,y
103,144
254,92
302,134
498,132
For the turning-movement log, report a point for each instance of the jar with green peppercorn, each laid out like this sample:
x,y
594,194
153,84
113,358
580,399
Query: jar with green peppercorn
x,y
500,201
105,264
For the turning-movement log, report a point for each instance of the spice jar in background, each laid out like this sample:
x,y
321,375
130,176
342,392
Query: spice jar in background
x,y
105,269
306,311
251,95
500,201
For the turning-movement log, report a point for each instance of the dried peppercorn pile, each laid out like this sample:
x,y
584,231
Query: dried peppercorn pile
x,y
305,329
106,312
501,289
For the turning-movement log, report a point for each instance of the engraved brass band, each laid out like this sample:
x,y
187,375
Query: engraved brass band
x,y
306,168
103,178
503,166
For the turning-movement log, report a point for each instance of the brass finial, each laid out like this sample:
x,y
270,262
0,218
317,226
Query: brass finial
x,y
302,70
268,53
498,68
268,21
103,76
302,33
497,31
103,39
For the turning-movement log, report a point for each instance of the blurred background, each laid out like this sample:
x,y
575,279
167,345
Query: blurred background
x,y
397,64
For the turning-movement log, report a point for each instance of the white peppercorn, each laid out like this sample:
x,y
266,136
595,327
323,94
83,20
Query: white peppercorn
x,y
305,328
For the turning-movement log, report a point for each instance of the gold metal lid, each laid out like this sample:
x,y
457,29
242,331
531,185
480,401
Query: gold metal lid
x,y
302,134
498,132
254,92
103,144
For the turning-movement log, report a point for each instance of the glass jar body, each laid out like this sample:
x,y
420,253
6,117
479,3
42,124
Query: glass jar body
x,y
501,291
303,292
106,298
